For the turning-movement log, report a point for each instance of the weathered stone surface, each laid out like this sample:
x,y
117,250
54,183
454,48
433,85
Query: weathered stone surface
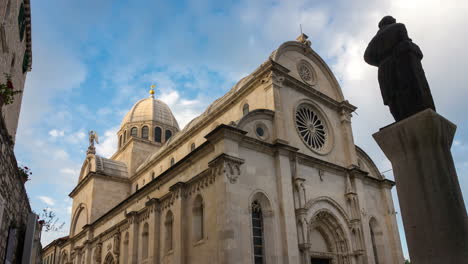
x,y
433,211
12,53
13,197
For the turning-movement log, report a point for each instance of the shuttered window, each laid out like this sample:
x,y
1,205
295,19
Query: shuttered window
x,y
22,21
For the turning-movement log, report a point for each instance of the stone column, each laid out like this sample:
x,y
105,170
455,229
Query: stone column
x,y
433,211
179,223
288,221
227,170
133,237
154,207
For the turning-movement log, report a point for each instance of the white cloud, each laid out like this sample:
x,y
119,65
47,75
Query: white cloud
x,y
47,200
70,171
108,143
76,137
60,154
56,133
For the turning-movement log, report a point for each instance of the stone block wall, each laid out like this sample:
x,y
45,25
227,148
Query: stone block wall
x,y
14,202
14,52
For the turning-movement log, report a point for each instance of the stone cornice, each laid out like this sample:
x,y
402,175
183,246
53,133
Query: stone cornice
x,y
93,175
356,172
224,131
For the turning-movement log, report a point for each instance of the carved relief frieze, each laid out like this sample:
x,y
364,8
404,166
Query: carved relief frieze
x,y
153,205
226,165
143,216
202,182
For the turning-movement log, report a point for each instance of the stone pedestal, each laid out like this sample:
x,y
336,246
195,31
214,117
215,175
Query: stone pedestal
x,y
432,207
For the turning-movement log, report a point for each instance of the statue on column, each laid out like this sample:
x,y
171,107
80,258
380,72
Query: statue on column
x,y
401,76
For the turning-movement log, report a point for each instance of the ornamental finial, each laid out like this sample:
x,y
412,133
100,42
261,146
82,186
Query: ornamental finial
x,y
152,91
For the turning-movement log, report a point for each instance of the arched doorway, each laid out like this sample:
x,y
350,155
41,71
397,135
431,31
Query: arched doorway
x,y
328,240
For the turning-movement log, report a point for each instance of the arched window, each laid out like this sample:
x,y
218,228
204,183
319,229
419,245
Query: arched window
x,y
145,132
197,221
136,187
257,233
245,109
157,134
120,141
168,223
152,175
192,147
172,162
64,258
109,259
134,132
125,249
125,136
144,242
168,135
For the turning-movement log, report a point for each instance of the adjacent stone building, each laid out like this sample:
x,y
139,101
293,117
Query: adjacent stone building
x,y
19,226
15,53
269,173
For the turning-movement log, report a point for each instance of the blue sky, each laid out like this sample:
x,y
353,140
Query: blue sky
x,y
93,59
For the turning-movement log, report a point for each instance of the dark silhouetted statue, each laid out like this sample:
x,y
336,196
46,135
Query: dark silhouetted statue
x,y
401,77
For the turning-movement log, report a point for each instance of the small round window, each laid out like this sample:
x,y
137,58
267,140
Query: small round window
x,y
311,128
306,72
261,131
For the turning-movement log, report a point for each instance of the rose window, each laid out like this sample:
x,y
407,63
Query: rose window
x,y
305,73
311,128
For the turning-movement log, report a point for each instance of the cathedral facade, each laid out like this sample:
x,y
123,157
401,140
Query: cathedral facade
x,y
269,173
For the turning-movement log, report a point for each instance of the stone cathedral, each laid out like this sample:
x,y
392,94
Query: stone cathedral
x,y
268,174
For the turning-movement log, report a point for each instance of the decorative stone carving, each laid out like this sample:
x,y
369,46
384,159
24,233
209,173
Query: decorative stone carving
x,y
277,78
300,192
200,183
321,173
266,77
304,39
306,72
226,165
98,253
117,244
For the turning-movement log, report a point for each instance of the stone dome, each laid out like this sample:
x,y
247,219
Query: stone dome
x,y
150,109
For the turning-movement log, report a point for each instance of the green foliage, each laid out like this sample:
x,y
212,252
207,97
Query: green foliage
x,y
25,172
407,261
7,90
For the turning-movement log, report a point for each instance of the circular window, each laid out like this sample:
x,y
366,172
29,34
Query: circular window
x,y
306,72
261,131
312,128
